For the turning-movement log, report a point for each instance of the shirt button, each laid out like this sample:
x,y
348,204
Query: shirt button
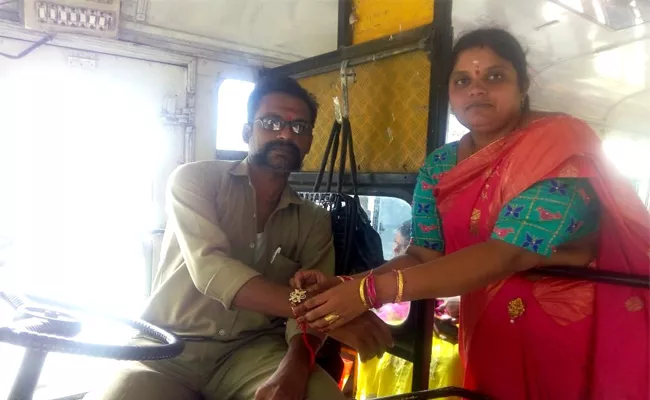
x,y
254,215
252,245
222,332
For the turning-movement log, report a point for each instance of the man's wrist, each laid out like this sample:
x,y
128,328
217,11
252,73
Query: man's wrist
x,y
298,355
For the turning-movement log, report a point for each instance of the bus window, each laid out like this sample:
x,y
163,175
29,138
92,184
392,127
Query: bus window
x,y
455,130
391,217
629,154
232,114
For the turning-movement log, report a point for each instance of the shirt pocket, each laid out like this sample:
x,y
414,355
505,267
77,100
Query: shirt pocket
x,y
281,269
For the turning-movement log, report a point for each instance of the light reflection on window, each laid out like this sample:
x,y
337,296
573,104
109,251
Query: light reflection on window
x,y
78,152
455,130
232,114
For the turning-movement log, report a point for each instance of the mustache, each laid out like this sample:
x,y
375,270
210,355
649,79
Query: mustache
x,y
278,145
263,156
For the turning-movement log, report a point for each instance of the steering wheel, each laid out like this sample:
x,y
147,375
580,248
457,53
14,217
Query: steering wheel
x,y
42,328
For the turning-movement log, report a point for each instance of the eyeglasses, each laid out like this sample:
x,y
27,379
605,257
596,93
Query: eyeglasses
x,y
276,124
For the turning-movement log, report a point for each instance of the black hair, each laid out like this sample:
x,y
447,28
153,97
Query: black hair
x,y
286,85
504,45
405,229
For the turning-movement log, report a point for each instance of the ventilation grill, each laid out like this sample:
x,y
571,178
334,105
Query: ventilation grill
x,y
74,17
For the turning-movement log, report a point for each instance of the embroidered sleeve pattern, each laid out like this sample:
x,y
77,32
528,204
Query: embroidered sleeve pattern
x,y
427,226
549,214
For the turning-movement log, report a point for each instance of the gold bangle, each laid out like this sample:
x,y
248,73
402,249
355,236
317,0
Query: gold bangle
x,y
362,293
400,286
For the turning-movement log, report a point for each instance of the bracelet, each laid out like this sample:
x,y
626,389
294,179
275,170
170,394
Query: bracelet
x,y
400,285
296,297
371,291
362,292
344,278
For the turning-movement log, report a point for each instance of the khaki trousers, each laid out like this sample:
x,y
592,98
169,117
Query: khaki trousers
x,y
211,371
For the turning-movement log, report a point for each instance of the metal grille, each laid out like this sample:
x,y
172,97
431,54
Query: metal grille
x,y
389,103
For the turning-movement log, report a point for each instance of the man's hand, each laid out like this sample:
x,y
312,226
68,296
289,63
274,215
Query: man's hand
x,y
284,385
313,281
367,334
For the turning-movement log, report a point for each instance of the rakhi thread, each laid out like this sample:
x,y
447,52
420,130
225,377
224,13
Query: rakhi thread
x,y
295,299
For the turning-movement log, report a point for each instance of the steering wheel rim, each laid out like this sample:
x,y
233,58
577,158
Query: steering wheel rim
x,y
32,333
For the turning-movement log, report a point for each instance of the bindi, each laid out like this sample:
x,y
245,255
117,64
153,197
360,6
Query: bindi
x,y
477,68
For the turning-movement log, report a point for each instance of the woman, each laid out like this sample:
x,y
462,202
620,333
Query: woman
x,y
523,189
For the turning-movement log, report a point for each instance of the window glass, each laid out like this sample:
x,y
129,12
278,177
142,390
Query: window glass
x,y
391,217
455,130
630,155
232,114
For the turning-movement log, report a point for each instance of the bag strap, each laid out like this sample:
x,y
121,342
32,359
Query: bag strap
x,y
332,144
353,161
344,153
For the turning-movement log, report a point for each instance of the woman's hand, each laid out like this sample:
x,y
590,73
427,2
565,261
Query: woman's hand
x,y
333,308
313,281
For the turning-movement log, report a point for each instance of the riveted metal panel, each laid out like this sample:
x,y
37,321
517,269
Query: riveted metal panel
x,y
374,19
388,112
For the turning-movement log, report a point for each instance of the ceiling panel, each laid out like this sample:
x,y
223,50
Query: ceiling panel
x,y
297,28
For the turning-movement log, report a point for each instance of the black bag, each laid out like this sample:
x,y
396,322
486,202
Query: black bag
x,y
358,246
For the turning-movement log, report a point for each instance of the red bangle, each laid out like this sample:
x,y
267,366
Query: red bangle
x,y
345,278
371,291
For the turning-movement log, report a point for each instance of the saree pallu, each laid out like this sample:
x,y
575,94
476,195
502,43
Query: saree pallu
x,y
551,338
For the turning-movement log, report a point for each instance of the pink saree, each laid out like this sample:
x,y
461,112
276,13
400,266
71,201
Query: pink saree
x,y
551,338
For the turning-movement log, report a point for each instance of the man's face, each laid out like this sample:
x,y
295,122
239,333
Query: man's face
x,y
279,150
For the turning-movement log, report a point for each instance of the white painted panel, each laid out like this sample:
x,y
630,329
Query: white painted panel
x,y
290,28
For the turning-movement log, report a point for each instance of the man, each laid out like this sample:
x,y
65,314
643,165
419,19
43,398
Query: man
x,y
236,235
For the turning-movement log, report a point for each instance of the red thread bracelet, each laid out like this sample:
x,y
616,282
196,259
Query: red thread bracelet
x,y
296,298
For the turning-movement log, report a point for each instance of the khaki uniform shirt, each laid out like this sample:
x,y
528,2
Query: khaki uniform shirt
x,y
209,251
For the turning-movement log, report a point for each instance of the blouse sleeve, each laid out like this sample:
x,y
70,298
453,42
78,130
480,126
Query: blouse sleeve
x,y
427,226
548,214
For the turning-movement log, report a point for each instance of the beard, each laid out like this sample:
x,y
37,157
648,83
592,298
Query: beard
x,y
279,156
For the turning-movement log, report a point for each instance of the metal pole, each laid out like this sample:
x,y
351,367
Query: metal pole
x,y
27,379
344,29
440,47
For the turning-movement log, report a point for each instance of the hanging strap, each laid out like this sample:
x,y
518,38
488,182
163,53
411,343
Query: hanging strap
x,y
331,149
353,161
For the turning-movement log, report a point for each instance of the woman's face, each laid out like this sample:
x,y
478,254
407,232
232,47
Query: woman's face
x,y
483,90
400,244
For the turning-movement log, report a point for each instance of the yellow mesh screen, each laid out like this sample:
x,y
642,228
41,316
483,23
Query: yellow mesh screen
x,y
388,112
380,18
